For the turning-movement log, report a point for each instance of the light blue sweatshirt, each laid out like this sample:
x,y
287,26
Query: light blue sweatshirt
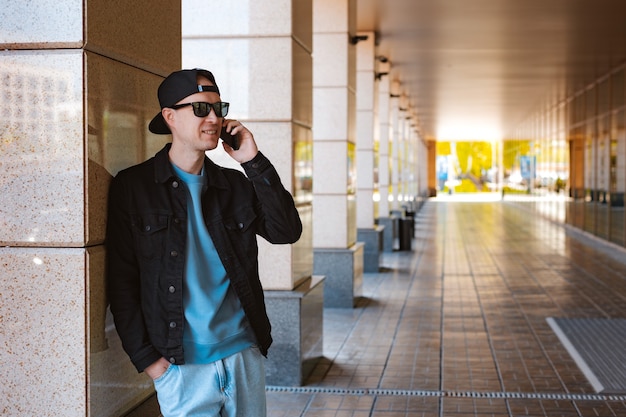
x,y
215,323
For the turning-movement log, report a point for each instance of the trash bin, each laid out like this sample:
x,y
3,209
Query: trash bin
x,y
405,232
411,216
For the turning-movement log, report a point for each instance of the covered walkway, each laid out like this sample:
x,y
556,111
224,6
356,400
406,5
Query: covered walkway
x,y
459,325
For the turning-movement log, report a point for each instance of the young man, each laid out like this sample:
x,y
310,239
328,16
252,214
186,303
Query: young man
x,y
183,277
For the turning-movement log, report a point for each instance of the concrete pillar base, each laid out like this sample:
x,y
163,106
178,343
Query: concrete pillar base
x,y
372,238
390,233
343,269
297,319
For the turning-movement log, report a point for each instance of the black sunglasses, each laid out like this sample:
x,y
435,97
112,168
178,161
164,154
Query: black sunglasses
x,y
202,109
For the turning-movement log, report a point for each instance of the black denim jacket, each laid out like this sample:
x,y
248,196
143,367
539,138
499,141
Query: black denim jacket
x,y
146,235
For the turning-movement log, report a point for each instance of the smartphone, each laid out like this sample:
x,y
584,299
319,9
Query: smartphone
x,y
231,140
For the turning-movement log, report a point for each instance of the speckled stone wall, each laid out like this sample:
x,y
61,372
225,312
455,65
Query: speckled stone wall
x,y
78,84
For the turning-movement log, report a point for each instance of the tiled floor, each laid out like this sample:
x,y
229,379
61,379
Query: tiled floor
x,y
457,326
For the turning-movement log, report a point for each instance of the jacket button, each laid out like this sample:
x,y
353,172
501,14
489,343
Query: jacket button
x,y
175,184
172,360
176,220
172,324
240,225
172,289
147,228
173,254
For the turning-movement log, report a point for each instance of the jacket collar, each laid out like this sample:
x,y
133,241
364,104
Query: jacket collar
x,y
163,170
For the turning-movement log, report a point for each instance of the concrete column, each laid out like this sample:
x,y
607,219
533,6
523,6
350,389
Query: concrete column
x,y
78,91
394,144
431,174
367,231
417,163
384,164
365,81
426,167
260,54
421,168
389,162
402,153
413,165
337,254
412,161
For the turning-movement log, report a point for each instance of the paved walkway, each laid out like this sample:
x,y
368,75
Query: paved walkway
x,y
457,326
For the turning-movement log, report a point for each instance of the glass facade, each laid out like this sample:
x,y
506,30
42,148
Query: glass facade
x,y
575,154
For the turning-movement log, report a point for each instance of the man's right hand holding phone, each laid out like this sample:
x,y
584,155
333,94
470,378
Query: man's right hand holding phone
x,y
247,146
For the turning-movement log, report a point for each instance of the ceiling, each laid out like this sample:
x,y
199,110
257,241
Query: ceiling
x,y
475,69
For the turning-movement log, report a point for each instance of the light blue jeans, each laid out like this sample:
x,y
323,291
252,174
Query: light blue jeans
x,y
231,387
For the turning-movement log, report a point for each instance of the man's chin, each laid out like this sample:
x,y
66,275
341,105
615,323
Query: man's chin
x,y
210,145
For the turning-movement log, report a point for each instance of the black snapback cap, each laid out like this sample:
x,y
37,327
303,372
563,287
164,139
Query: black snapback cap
x,y
176,87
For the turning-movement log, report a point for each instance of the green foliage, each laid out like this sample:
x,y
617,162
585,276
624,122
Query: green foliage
x,y
559,184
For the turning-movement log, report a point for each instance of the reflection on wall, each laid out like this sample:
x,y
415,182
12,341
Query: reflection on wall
x,y
121,100
351,185
303,171
579,144
302,266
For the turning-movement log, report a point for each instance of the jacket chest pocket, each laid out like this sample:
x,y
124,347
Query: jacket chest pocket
x,y
240,221
150,232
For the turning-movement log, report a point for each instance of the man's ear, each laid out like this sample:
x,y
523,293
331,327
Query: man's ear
x,y
168,116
